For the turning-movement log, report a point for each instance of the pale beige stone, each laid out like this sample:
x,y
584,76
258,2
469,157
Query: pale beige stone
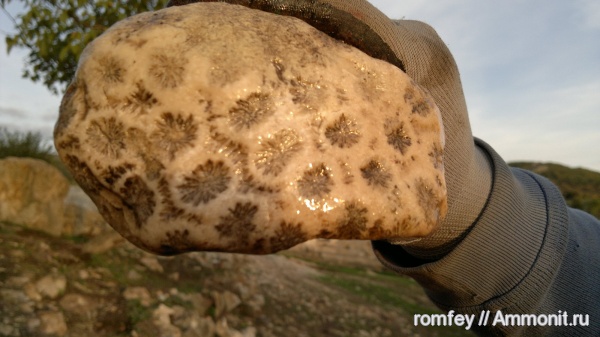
x,y
32,292
52,285
217,127
102,243
77,304
53,323
138,293
162,320
152,263
225,302
32,193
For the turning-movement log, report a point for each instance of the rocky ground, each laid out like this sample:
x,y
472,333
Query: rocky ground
x,y
71,286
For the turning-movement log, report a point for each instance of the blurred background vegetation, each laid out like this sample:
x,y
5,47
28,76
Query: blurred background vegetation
x,y
55,32
31,145
580,187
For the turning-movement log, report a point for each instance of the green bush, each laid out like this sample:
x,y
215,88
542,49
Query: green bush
x,y
30,145
19,144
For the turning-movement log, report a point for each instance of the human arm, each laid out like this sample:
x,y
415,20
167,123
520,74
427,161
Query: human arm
x,y
528,253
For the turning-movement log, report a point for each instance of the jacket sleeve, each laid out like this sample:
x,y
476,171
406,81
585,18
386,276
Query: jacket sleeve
x,y
527,253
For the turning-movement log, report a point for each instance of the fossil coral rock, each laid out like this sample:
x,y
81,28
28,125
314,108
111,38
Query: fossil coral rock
x,y
217,127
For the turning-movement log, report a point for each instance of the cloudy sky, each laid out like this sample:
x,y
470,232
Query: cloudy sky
x,y
530,70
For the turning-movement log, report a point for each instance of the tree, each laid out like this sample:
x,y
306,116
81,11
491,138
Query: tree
x,y
56,31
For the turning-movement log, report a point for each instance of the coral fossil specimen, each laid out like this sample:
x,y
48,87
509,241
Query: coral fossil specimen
x,y
174,133
315,182
140,100
183,149
277,151
107,136
250,111
343,132
375,174
168,69
205,183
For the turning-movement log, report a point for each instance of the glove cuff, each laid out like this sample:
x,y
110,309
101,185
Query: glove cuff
x,y
463,211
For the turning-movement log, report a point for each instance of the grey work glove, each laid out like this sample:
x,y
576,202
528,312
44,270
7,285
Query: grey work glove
x,y
415,48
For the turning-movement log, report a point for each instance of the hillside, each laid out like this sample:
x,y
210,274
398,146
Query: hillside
x,y
55,287
580,187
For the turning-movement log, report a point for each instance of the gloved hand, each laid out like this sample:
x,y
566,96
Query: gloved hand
x,y
415,48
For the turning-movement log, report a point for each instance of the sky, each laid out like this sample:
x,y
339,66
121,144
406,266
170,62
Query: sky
x,y
530,72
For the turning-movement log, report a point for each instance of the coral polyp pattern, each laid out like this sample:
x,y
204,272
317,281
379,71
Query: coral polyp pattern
x,y
140,101
205,183
167,69
174,132
343,132
216,127
315,183
276,151
107,136
110,69
375,174
250,111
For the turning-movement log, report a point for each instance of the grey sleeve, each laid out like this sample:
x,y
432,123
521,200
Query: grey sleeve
x,y
527,253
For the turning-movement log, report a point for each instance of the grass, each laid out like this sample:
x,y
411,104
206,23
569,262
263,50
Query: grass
x,y
118,266
137,312
580,187
19,144
29,145
189,280
379,290
384,288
